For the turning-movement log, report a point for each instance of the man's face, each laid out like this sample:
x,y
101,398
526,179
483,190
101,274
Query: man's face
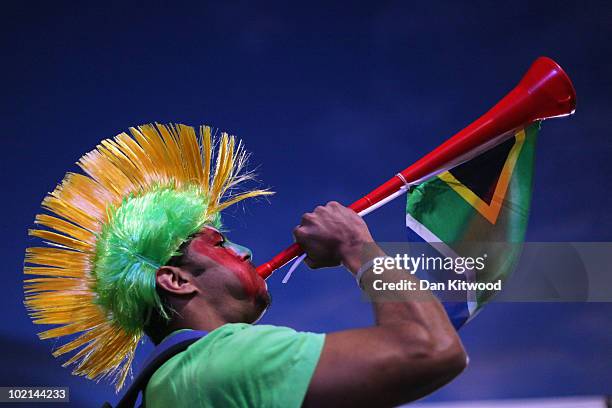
x,y
227,267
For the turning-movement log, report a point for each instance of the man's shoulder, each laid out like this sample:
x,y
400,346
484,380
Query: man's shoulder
x,y
243,358
237,346
233,333
252,329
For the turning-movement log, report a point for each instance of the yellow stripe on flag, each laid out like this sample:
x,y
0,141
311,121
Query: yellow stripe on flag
x,y
490,211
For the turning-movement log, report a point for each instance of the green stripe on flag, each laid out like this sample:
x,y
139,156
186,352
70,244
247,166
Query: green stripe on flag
x,y
475,220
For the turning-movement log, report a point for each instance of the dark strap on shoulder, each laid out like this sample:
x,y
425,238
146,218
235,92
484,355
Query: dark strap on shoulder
x,y
164,351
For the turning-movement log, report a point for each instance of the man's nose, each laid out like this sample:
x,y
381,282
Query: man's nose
x,y
243,252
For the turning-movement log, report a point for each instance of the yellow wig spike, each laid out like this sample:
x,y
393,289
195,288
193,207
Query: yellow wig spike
x,y
110,229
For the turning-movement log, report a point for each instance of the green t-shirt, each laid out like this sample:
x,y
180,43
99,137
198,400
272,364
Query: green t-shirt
x,y
238,365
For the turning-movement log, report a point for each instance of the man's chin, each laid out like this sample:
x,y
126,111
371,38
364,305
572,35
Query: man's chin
x,y
263,300
262,303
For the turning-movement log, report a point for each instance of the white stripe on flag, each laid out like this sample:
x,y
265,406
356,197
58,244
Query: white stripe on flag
x,y
440,246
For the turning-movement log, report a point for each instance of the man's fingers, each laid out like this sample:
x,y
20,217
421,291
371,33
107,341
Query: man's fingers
x,y
333,204
311,264
307,218
302,233
299,233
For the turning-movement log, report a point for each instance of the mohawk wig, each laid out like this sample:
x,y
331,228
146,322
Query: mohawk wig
x,y
110,230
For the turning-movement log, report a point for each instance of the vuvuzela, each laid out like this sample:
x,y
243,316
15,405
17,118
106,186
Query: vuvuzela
x,y
544,92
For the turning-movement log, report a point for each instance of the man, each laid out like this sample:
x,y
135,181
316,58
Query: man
x,y
411,351
134,246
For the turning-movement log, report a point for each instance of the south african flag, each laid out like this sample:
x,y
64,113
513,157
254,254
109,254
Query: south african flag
x,y
474,207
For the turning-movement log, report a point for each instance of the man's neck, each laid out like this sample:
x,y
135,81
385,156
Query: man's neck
x,y
204,318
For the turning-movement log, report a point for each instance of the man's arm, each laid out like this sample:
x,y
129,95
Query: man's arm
x,y
411,351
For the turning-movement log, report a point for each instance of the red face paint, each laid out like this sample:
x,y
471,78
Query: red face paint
x,y
212,244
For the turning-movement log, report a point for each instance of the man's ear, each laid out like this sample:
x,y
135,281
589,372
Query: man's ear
x,y
175,280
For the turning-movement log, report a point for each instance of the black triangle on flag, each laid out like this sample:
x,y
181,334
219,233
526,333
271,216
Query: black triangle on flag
x,y
481,173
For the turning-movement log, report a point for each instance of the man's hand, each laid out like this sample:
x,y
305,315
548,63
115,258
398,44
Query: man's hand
x,y
332,235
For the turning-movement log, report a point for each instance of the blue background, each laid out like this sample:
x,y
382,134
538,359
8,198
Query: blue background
x,y
332,99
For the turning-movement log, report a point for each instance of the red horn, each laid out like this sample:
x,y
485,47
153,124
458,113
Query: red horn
x,y
544,92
